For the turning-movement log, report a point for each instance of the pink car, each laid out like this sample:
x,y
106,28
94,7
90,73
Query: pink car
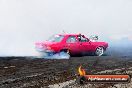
x,y
72,44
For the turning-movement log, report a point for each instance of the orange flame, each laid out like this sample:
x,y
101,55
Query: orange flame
x,y
81,71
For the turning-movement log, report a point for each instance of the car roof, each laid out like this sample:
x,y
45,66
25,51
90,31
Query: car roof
x,y
68,34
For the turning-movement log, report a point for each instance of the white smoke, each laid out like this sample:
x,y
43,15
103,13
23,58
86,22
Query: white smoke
x,y
24,22
61,55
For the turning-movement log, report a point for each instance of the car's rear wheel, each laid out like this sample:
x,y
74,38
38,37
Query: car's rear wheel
x,y
49,53
99,51
66,51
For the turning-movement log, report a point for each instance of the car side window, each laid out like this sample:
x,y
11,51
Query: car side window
x,y
83,39
71,39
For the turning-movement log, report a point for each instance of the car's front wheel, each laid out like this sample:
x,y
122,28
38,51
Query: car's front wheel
x,y
99,51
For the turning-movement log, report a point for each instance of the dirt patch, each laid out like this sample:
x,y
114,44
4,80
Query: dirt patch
x,y
30,72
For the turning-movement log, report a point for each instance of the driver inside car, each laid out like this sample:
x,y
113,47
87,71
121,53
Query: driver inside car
x,y
79,37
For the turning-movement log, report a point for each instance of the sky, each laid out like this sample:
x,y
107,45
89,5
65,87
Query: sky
x,y
24,22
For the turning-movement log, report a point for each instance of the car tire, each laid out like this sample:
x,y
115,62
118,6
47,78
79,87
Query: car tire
x,y
66,51
99,51
49,53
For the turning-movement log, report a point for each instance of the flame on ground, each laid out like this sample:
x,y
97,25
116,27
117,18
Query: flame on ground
x,y
81,71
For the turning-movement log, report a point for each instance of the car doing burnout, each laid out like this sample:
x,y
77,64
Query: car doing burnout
x,y
72,44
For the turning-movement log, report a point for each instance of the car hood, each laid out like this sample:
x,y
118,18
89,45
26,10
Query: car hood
x,y
100,43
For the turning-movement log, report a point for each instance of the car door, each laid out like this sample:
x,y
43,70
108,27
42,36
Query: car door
x,y
73,44
85,45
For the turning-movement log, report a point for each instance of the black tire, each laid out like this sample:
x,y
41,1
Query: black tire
x,y
99,51
66,51
49,53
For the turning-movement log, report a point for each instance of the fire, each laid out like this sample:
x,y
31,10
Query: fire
x,y
81,71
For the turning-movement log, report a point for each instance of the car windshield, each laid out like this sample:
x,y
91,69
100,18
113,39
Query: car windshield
x,y
56,38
